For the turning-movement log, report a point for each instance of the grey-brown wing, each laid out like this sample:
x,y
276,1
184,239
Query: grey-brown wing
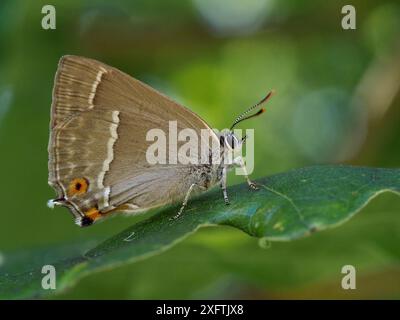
x,y
97,151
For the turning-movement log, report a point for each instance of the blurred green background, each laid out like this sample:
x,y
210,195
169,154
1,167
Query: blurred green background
x,y
337,101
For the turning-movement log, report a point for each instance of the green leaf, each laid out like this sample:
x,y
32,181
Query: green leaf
x,y
287,206
233,265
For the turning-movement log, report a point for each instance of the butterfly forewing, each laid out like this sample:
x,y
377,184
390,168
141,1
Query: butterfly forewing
x,y
97,151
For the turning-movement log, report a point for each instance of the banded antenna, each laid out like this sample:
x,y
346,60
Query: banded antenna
x,y
243,117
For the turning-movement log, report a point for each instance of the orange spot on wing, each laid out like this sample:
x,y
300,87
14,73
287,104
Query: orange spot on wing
x,y
78,186
93,214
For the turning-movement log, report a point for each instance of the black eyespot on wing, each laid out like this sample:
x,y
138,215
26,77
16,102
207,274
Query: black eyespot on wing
x,y
86,221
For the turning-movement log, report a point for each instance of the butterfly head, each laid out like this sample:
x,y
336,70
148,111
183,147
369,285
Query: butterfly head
x,y
228,139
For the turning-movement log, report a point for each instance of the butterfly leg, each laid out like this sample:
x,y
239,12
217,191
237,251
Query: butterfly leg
x,y
185,201
239,162
223,186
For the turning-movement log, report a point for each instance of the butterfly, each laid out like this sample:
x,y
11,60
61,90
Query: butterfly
x,y
98,146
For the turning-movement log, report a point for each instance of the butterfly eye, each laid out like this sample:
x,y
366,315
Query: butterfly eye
x,y
231,141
